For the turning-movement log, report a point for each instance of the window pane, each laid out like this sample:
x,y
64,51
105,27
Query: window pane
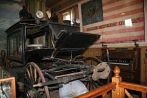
x,y
66,16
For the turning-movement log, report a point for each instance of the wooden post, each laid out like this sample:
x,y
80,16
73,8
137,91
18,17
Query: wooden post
x,y
145,62
117,92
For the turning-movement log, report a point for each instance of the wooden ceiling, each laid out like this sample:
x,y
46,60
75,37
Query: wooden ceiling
x,y
59,4
51,3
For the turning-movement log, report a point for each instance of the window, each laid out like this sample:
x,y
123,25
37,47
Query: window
x,y
69,15
15,44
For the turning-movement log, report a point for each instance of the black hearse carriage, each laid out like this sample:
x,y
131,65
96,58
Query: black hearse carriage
x,y
50,53
26,39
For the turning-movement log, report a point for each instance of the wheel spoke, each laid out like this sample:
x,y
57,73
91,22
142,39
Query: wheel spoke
x,y
29,70
35,75
28,73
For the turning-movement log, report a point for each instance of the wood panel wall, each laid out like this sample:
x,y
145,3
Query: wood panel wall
x,y
144,65
92,52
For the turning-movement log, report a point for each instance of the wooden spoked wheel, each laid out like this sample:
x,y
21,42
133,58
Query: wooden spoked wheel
x,y
34,75
89,82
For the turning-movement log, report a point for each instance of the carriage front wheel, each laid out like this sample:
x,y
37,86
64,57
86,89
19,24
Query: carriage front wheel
x,y
34,75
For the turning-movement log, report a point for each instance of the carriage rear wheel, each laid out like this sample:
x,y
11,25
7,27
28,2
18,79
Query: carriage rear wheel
x,y
34,75
93,62
89,82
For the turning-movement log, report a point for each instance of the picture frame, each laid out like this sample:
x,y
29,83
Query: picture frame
x,y
92,12
8,88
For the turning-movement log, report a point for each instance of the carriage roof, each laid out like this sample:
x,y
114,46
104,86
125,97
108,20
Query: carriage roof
x,y
66,36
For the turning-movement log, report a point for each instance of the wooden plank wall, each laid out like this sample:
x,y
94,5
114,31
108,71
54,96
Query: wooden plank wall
x,y
144,65
92,52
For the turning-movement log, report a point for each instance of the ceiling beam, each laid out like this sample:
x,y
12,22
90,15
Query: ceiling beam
x,y
62,5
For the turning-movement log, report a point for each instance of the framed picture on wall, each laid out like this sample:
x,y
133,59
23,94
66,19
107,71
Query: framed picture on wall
x,y
92,12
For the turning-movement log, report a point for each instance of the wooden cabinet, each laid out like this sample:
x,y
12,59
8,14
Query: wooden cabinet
x,y
128,60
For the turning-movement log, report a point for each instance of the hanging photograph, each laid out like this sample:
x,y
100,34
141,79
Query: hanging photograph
x,y
92,12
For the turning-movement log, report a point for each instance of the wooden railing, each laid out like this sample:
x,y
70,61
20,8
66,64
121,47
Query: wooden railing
x,y
117,88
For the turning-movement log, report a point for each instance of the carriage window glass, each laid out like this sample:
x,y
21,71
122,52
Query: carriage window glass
x,y
15,44
40,40
12,46
19,45
27,42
